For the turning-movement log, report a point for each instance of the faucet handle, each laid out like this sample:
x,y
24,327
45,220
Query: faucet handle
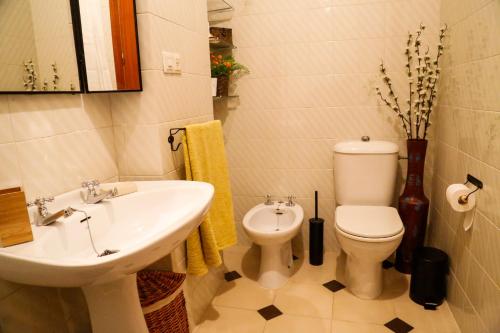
x,y
90,183
41,203
291,199
268,201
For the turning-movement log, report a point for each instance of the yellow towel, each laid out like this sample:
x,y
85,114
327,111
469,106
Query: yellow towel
x,y
205,160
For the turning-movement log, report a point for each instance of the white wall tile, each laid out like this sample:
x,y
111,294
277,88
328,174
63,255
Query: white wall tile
x,y
5,124
10,175
359,21
314,69
359,56
405,16
467,124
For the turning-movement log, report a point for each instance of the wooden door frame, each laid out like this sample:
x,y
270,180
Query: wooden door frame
x,y
77,26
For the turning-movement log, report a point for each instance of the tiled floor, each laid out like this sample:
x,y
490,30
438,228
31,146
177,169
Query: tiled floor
x,y
305,305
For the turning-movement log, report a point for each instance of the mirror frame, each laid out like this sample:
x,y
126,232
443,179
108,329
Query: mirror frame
x,y
75,17
80,53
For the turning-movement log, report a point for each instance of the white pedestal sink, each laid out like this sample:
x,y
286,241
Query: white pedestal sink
x,y
144,226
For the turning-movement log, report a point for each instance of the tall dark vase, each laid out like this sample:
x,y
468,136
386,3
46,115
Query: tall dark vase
x,y
413,206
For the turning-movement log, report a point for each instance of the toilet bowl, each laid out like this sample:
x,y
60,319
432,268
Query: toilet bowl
x,y
367,227
273,227
368,235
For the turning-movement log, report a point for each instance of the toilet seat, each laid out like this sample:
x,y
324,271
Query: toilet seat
x,y
371,222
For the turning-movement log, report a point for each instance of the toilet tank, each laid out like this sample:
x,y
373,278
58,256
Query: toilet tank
x,y
365,172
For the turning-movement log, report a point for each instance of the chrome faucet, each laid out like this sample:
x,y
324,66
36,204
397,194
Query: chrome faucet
x,y
91,186
44,217
268,201
94,194
290,202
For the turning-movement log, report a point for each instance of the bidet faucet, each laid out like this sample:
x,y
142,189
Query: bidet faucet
x,y
268,201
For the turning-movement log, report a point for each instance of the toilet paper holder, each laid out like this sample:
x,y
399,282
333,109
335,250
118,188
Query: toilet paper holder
x,y
474,181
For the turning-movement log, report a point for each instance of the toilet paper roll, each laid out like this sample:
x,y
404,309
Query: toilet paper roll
x,y
453,194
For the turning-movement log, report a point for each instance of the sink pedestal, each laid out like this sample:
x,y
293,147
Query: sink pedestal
x,y
115,306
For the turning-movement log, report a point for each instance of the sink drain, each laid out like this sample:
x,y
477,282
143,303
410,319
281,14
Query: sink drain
x,y
108,252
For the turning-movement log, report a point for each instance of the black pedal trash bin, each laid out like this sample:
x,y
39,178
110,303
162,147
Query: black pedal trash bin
x,y
428,277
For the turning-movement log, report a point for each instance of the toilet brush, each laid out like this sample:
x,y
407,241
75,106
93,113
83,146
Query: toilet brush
x,y
316,236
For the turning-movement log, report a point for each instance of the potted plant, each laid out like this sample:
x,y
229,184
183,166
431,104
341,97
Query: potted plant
x,y
423,73
222,68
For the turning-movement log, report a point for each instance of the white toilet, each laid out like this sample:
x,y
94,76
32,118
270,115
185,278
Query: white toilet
x,y
368,229
273,226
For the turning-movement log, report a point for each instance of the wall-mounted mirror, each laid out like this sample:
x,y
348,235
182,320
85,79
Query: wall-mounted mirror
x,y
37,48
110,45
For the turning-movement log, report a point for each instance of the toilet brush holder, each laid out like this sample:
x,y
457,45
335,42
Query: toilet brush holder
x,y
316,241
316,236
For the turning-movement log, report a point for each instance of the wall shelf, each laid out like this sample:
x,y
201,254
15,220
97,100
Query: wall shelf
x,y
218,6
220,45
218,98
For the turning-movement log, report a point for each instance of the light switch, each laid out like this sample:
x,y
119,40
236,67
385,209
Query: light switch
x,y
171,63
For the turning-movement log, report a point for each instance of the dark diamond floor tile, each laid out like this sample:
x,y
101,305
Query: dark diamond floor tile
x,y
270,312
230,276
334,285
386,264
398,326
294,257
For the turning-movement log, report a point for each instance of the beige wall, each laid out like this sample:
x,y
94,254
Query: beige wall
x,y
17,44
53,29
314,69
40,31
49,144
468,141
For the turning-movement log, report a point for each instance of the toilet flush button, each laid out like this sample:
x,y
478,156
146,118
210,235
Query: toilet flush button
x,y
365,138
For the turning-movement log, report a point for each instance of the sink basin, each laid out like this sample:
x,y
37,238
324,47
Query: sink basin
x,y
143,226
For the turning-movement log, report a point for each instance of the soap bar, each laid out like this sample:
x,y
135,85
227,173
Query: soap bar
x,y
15,227
120,189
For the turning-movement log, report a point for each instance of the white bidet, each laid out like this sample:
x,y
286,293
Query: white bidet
x,y
273,227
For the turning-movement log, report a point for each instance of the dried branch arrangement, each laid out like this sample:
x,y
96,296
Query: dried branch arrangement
x,y
423,76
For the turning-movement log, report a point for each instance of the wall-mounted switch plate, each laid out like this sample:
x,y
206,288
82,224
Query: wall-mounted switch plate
x,y
171,63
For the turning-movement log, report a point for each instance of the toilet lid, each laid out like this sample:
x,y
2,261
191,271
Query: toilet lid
x,y
368,221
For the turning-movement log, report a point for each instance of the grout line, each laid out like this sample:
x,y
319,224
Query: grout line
x,y
485,273
168,20
466,296
15,290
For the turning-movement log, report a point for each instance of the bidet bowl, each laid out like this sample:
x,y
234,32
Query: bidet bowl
x,y
273,224
272,227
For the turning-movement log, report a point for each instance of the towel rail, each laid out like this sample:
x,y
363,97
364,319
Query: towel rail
x,y
171,138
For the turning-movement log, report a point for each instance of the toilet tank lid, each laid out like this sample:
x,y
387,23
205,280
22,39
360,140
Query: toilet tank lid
x,y
369,147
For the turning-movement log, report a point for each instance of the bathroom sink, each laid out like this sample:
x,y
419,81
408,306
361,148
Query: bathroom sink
x,y
143,227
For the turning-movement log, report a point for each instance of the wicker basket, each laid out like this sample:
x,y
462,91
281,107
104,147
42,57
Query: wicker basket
x,y
162,301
